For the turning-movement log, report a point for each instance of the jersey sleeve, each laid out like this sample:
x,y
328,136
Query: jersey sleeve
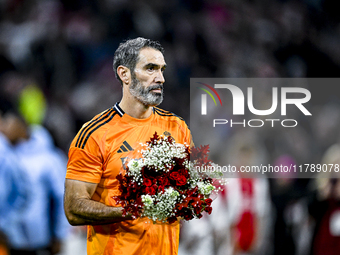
x,y
85,164
188,137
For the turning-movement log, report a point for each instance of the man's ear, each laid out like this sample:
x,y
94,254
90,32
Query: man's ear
x,y
124,74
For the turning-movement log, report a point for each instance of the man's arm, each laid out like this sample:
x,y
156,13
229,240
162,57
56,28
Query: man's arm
x,y
81,210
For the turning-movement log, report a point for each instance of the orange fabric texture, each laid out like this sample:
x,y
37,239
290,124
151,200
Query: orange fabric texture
x,y
97,155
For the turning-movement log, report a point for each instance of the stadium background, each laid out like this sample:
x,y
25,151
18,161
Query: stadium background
x,y
58,54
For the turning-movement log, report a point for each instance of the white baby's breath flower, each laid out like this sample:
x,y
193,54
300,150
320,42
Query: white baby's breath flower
x,y
173,194
134,165
161,154
159,207
205,188
147,200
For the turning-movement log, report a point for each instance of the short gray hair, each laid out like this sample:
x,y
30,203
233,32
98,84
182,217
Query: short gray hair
x,y
128,52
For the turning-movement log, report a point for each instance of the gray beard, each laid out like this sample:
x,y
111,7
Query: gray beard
x,y
145,95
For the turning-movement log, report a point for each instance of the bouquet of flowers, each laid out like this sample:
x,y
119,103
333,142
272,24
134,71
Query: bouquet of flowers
x,y
164,184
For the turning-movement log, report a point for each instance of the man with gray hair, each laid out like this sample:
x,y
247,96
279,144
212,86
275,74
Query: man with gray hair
x,y
101,148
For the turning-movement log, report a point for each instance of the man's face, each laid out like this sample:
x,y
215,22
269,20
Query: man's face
x,y
147,79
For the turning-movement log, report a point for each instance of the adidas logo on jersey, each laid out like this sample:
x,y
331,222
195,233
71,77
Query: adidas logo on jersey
x,y
125,147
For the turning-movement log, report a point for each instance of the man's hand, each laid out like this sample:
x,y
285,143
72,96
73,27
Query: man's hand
x,y
81,210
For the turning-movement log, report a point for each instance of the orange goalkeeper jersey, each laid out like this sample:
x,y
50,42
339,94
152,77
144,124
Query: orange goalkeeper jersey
x,y
97,155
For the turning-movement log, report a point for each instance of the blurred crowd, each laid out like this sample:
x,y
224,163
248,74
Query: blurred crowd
x,y
56,73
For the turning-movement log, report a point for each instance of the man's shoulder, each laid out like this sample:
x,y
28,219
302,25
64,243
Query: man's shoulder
x,y
167,114
97,125
173,124
103,116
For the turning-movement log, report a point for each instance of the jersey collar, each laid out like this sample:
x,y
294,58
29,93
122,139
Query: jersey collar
x,y
133,120
118,109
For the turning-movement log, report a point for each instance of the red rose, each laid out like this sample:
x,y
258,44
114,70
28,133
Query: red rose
x,y
150,191
188,217
175,175
162,181
208,201
181,181
160,189
184,172
147,182
197,210
208,209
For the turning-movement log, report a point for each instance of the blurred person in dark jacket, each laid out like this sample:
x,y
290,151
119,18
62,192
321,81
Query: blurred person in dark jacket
x,y
42,225
13,186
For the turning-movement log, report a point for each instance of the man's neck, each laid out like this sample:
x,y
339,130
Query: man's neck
x,y
135,109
